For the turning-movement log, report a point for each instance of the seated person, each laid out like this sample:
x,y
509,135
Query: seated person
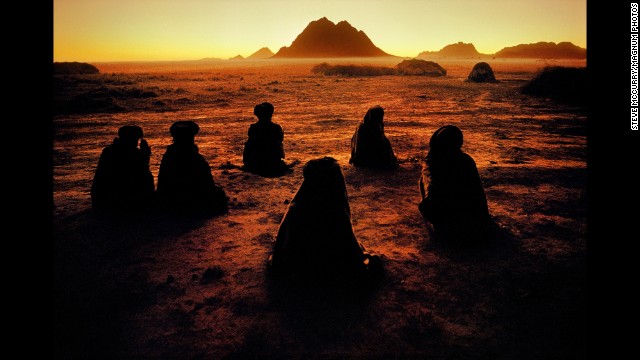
x,y
185,182
370,148
315,240
263,152
123,181
453,199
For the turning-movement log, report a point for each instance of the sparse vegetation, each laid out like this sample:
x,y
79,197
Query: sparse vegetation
x,y
74,68
87,103
563,84
519,296
352,70
420,67
96,93
407,67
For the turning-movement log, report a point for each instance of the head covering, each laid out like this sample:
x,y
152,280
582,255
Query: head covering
x,y
448,137
184,128
130,132
324,182
263,110
322,171
374,115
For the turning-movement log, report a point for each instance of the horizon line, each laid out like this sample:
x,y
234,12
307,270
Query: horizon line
x,y
212,58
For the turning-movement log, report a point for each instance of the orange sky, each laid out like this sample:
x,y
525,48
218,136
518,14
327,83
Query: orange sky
x,y
133,30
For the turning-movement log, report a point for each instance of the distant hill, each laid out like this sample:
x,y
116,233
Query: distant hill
x,y
543,50
237,57
323,38
460,49
60,68
263,53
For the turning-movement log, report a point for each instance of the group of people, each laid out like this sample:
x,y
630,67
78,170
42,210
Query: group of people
x,y
123,182
315,238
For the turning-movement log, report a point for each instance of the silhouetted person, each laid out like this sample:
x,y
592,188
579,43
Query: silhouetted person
x,y
453,199
185,183
315,240
370,148
123,182
263,152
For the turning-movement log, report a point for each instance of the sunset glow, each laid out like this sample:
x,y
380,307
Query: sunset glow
x,y
123,30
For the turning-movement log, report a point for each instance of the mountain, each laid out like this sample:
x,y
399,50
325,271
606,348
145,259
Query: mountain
x,y
263,53
543,50
460,49
237,57
323,38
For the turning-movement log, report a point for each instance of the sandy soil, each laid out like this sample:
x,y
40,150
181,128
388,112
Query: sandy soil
x,y
136,287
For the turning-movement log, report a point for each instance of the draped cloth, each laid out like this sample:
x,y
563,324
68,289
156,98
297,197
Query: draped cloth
x,y
453,199
370,148
316,239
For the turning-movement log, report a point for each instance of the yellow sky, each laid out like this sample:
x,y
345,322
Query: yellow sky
x,y
138,30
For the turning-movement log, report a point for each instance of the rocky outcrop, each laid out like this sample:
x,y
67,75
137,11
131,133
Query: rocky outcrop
x,y
420,67
481,72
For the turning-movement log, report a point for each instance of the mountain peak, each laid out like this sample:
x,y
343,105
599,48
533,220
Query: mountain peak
x,y
323,38
459,49
263,53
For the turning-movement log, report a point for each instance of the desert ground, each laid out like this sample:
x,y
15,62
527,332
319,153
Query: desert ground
x,y
138,287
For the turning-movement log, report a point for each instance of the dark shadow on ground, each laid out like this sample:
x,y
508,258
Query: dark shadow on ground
x,y
275,173
319,318
93,295
536,304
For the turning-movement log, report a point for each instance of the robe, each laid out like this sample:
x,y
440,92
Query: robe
x,y
185,182
122,181
453,199
370,148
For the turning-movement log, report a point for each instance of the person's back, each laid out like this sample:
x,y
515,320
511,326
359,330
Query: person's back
x,y
264,152
185,182
453,199
370,148
315,240
265,143
123,181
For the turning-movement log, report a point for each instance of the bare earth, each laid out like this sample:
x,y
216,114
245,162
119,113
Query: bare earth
x,y
134,288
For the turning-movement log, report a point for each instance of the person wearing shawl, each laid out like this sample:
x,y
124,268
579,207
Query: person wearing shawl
x,y
123,181
315,240
263,152
185,183
370,148
453,199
